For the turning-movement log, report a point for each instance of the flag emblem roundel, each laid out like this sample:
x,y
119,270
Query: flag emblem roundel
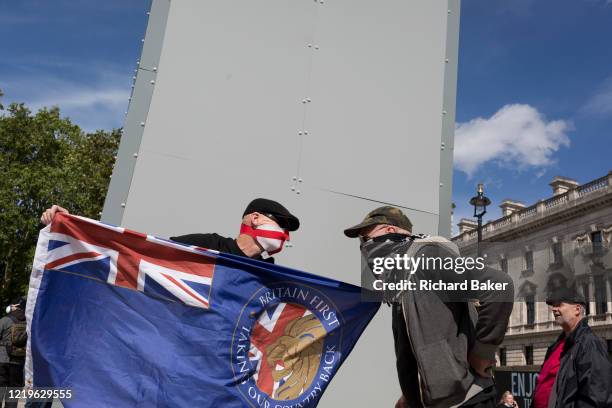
x,y
286,346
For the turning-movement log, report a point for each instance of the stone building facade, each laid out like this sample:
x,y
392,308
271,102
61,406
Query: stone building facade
x,y
563,240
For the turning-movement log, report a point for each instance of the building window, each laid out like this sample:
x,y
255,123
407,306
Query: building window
x,y
529,260
601,301
529,355
503,265
609,347
530,303
597,241
502,355
557,251
585,292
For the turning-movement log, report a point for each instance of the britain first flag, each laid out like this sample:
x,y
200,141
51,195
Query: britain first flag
x,y
124,319
130,259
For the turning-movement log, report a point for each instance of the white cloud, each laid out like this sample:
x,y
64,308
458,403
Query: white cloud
x,y
78,98
601,102
516,137
89,107
96,102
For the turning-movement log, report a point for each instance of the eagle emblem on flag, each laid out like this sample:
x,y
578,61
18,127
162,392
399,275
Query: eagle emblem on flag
x,y
286,345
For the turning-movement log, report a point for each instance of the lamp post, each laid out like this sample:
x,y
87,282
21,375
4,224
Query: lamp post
x,y
480,202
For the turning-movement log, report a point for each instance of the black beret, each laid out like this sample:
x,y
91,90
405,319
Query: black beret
x,y
281,214
565,294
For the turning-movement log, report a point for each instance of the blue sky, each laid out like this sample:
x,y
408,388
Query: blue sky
x,y
534,97
534,85
77,54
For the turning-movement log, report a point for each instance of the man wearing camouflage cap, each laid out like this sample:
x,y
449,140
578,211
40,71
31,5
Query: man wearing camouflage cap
x,y
381,221
442,355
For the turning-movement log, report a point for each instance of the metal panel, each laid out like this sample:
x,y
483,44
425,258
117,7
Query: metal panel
x,y
377,87
138,108
447,146
330,107
226,113
154,37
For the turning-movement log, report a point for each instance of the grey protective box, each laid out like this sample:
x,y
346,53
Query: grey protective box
x,y
331,107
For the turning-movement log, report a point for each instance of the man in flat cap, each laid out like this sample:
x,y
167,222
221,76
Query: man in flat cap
x,y
444,348
265,228
576,371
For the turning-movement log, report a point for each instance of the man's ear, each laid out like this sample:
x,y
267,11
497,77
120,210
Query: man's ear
x,y
255,219
391,229
248,220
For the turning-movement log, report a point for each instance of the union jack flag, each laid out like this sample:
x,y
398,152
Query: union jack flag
x,y
128,319
130,259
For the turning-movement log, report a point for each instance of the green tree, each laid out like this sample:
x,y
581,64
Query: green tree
x,y
45,159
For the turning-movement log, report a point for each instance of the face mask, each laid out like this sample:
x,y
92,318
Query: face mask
x,y
385,246
269,236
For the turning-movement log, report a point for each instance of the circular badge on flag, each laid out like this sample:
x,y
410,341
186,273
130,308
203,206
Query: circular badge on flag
x,y
286,346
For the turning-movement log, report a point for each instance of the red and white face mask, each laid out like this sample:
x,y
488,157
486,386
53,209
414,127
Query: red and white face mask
x,y
269,236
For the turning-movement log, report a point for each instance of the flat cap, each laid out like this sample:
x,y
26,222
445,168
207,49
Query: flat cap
x,y
382,215
270,207
565,294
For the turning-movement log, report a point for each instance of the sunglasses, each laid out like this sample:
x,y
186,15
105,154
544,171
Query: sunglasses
x,y
276,220
366,238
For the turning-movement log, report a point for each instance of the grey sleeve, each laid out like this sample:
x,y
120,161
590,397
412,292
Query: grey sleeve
x,y
495,305
5,324
493,313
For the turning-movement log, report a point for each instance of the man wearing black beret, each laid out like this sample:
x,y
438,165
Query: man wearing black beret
x,y
576,371
265,228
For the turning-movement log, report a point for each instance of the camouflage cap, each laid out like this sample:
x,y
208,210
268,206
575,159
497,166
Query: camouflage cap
x,y
382,215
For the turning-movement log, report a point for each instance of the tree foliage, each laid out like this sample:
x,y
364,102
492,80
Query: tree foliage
x,y
45,159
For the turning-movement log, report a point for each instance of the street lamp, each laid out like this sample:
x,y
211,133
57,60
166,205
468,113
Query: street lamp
x,y
480,202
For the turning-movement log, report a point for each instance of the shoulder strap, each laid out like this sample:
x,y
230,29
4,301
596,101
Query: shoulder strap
x,y
420,241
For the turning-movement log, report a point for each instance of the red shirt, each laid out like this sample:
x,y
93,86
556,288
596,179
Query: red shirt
x,y
547,376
